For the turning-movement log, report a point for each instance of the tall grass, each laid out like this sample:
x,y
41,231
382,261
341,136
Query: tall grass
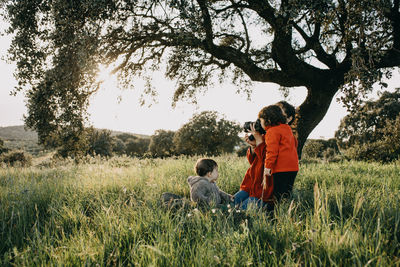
x,y
107,212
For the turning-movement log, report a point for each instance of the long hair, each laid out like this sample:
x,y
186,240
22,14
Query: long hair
x,y
272,115
288,109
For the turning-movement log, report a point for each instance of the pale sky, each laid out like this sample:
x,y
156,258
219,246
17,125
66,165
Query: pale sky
x,y
106,111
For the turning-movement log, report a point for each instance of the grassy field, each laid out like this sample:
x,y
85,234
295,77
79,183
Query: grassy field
x,y
104,213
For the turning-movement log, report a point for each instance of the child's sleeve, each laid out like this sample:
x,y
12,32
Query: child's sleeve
x,y
225,196
272,140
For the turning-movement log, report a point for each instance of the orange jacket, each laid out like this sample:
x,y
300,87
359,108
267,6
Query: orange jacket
x,y
253,178
281,155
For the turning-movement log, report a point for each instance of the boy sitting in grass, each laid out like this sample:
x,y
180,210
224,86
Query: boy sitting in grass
x,y
203,188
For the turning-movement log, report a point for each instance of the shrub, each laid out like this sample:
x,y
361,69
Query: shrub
x,y
162,143
16,159
321,149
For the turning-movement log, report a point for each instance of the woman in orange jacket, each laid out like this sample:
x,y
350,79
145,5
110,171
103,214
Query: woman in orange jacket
x,y
251,189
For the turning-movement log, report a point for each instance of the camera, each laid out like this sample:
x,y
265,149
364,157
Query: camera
x,y
257,127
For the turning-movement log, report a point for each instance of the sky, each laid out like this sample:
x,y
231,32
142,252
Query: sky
x,y
115,109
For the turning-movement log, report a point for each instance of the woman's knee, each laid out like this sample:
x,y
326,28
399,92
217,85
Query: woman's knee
x,y
241,196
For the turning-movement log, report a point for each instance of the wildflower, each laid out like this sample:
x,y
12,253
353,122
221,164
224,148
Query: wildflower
x,y
190,215
213,210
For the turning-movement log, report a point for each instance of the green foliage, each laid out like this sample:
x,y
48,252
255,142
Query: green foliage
x,y
206,134
2,147
100,142
371,133
162,143
325,46
108,213
319,148
137,147
384,150
241,150
119,147
16,158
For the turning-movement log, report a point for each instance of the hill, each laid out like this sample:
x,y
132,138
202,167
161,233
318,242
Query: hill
x,y
19,138
12,133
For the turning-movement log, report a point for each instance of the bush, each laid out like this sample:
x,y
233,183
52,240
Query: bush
x,y
16,159
162,144
100,142
207,133
137,147
320,149
2,148
385,150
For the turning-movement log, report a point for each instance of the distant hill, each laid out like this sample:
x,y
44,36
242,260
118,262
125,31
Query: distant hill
x,y
12,133
16,137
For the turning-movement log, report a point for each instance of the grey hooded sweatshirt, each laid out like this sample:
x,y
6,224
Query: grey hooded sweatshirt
x,y
203,191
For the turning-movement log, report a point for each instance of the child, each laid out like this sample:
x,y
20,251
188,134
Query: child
x,y
251,189
281,161
288,111
203,188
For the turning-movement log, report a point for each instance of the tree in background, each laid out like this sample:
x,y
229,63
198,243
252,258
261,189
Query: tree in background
x,y
323,45
100,142
162,143
137,147
206,134
119,147
370,133
319,148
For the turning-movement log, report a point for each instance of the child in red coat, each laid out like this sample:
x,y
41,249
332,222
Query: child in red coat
x,y
281,160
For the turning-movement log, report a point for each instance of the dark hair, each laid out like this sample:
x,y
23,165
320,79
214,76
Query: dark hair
x,y
204,166
272,115
288,109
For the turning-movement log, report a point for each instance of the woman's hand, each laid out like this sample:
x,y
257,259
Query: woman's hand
x,y
257,136
252,143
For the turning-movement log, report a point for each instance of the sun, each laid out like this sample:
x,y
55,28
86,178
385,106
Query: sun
x,y
104,74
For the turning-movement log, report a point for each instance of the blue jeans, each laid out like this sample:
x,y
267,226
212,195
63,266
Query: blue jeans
x,y
240,197
242,200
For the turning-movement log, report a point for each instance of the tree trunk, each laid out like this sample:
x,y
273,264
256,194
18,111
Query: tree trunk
x,y
312,111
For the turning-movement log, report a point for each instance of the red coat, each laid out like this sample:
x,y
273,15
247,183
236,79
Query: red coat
x,y
281,153
253,178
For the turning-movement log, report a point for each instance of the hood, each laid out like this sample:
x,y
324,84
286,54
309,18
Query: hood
x,y
194,179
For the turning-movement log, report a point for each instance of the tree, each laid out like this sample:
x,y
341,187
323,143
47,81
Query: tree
x,y
137,147
206,134
323,45
365,125
319,148
373,132
100,142
162,143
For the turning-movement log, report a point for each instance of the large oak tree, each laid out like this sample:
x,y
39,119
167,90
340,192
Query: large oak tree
x,y
324,45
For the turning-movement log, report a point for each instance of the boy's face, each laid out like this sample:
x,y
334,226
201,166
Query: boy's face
x,y
213,176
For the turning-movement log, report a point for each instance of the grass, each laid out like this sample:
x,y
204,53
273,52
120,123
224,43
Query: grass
x,y
107,212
